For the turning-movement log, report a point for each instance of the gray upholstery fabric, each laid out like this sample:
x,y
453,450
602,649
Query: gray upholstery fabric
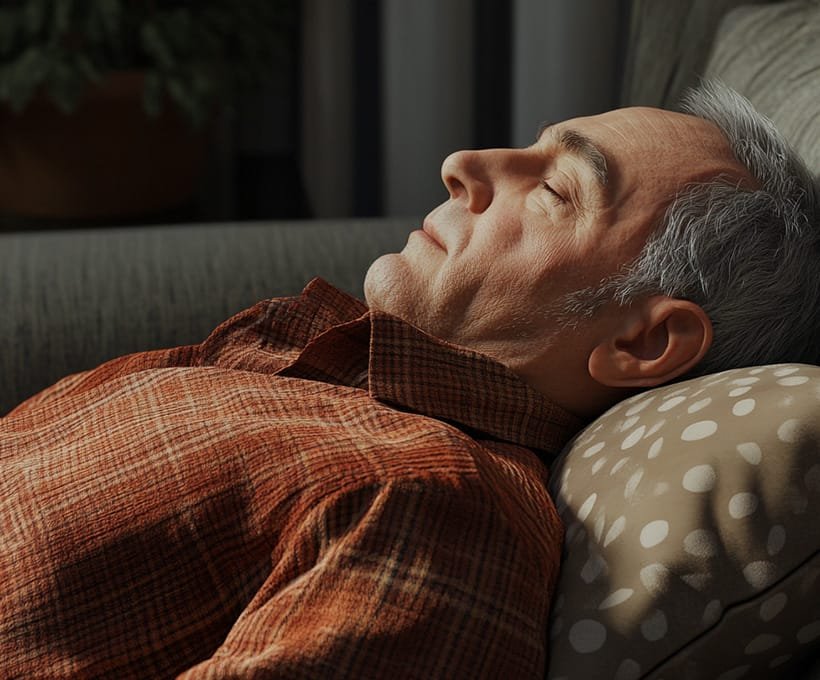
x,y
669,45
772,56
74,299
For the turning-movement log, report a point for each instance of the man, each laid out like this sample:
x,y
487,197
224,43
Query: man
x,y
320,489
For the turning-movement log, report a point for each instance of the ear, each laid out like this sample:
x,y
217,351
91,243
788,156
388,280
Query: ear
x,y
651,343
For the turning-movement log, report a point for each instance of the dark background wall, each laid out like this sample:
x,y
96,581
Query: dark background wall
x,y
375,93
361,104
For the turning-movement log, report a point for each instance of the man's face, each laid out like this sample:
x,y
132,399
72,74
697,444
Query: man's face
x,y
524,227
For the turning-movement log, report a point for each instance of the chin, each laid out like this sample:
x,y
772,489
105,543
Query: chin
x,y
383,283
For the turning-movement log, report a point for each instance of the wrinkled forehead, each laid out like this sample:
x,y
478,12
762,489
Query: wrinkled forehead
x,y
659,149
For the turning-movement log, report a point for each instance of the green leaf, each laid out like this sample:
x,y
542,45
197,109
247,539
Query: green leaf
x,y
25,75
61,19
155,46
111,18
65,86
10,23
86,69
152,95
34,12
198,52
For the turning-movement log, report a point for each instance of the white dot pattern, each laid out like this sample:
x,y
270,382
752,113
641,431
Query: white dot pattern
x,y
670,404
773,606
655,578
744,407
700,479
742,505
600,522
701,543
760,574
592,450
762,643
616,468
699,581
616,598
629,422
615,530
586,508
779,660
633,438
654,533
628,669
657,426
751,452
793,380
632,483
593,568
587,636
640,406
809,633
699,430
776,539
786,370
654,627
699,405
735,673
789,431
712,613
682,500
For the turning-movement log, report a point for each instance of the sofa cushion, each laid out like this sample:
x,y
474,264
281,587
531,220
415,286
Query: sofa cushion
x,y
771,55
693,546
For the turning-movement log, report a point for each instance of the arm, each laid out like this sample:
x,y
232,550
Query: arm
x,y
413,579
120,366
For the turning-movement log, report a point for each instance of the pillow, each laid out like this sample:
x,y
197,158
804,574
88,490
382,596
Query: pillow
x,y
692,517
771,54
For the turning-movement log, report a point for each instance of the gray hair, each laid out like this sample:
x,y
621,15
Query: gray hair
x,y
749,257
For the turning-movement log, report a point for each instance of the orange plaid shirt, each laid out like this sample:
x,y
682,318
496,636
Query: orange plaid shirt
x,y
315,491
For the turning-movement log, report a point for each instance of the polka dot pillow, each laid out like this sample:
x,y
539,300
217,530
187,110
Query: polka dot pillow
x,y
692,546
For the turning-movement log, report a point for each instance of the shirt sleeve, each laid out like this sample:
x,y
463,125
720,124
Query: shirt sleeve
x,y
83,381
421,578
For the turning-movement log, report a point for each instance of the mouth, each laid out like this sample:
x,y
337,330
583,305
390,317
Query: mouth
x,y
430,232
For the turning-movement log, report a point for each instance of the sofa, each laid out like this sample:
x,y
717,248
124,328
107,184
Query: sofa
x,y
692,547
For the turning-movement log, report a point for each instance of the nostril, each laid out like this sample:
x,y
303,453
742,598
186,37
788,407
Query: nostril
x,y
465,176
454,186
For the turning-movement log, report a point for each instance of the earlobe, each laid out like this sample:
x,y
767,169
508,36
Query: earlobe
x,y
653,342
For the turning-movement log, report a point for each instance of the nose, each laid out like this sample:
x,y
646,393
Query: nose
x,y
466,176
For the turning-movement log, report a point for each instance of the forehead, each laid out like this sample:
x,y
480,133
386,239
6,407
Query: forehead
x,y
659,149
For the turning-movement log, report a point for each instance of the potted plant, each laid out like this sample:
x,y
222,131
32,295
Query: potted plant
x,y
104,105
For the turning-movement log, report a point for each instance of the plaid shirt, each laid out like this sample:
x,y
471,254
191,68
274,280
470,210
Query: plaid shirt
x,y
315,491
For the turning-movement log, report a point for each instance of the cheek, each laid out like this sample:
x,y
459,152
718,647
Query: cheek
x,y
555,263
402,287
387,285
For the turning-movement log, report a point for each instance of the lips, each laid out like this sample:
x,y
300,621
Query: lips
x,y
429,229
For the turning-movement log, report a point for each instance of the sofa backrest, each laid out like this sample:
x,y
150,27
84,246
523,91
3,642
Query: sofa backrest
x,y
771,55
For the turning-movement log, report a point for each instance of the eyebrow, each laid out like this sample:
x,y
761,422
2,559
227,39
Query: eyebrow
x,y
583,147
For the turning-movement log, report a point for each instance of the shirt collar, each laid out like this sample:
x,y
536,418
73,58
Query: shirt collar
x,y
413,369
403,366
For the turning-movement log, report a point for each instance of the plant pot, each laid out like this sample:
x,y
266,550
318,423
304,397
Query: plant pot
x,y
106,160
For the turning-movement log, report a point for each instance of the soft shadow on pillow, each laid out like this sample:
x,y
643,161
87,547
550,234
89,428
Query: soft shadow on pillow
x,y
693,532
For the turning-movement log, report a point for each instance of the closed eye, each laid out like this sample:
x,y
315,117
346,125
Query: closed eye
x,y
552,191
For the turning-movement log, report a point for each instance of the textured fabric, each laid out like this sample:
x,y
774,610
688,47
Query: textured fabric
x,y
73,299
669,45
693,547
281,501
771,55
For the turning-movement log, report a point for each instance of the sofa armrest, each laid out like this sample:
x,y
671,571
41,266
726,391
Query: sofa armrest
x,y
73,299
